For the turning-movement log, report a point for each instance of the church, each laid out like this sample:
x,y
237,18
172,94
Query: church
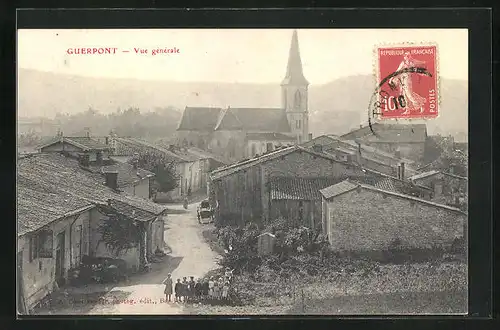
x,y
242,133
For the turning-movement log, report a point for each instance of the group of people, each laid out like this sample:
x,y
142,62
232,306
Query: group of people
x,y
197,290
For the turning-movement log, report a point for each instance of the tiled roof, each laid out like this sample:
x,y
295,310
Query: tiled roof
x,y
254,119
347,185
299,188
269,137
338,189
127,174
141,145
386,184
199,119
236,167
390,133
51,185
83,142
130,211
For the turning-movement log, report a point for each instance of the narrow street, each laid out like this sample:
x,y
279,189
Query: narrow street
x,y
187,255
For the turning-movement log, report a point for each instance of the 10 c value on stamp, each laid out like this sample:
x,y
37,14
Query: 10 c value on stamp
x,y
407,82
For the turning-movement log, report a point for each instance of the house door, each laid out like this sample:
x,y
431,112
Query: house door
x,y
61,238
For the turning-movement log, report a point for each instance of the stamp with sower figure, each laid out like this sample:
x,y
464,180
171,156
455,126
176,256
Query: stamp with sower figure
x,y
407,82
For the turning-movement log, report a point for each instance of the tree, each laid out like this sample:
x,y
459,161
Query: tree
x,y
119,233
166,177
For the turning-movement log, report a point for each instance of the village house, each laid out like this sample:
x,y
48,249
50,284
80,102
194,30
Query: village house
x,y
447,188
286,183
90,150
360,217
237,133
60,206
406,140
192,164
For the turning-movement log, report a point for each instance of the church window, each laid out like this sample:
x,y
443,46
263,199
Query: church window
x,y
298,99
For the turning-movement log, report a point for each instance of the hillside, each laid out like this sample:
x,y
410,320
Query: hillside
x,y
336,107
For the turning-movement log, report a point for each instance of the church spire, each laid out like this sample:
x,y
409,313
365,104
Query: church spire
x,y
294,74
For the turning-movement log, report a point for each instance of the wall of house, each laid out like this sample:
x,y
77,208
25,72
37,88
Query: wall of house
x,y
367,220
156,233
303,165
140,189
290,210
39,274
238,196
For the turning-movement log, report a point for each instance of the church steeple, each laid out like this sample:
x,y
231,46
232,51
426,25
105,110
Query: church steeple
x,y
294,93
294,74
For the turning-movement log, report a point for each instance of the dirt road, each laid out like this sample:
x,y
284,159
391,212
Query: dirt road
x,y
190,255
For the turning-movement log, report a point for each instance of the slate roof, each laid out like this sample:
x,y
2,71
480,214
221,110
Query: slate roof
x,y
291,188
348,185
83,142
254,119
199,119
269,137
390,133
49,186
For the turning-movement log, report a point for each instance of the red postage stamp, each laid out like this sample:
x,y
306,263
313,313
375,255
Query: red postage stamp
x,y
407,81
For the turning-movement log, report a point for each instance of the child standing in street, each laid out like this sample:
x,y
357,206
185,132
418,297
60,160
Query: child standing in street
x,y
211,285
185,288
225,290
178,290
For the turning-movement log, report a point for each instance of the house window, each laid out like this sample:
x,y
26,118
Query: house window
x,y
41,245
269,146
254,149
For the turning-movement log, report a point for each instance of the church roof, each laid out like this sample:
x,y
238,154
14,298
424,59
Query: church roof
x,y
294,74
254,119
199,119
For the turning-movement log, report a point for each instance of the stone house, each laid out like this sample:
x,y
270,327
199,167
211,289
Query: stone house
x,y
447,188
235,133
407,140
58,206
360,217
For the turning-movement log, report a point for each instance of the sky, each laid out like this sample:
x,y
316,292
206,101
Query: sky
x,y
230,55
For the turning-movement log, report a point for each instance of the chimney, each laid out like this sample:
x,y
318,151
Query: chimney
x,y
402,171
112,179
397,154
107,140
310,136
358,154
360,125
317,148
87,132
399,172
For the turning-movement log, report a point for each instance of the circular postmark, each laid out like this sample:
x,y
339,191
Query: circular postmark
x,y
390,95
